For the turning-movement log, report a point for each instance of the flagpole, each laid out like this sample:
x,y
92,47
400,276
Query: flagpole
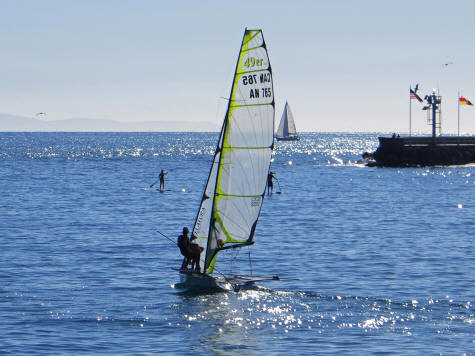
x,y
410,112
458,113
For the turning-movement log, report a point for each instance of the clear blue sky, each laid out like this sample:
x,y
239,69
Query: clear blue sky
x,y
342,65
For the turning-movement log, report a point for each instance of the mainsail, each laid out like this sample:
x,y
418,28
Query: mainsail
x,y
287,128
234,193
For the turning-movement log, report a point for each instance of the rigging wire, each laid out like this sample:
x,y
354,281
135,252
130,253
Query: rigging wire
x,y
250,261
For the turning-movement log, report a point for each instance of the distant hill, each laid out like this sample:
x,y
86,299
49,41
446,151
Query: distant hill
x,y
21,123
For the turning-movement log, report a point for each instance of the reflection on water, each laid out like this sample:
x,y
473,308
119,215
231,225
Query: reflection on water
x,y
227,321
383,253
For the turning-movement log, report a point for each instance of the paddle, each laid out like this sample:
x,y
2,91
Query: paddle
x,y
151,185
280,189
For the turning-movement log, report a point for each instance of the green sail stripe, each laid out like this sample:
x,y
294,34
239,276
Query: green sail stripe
x,y
218,213
240,71
250,49
242,106
217,230
238,196
253,71
229,148
220,222
248,37
251,37
229,239
211,264
244,49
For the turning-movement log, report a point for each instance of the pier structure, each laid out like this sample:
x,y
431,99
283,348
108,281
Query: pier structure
x,y
435,150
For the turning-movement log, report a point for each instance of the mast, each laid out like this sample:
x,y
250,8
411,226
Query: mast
x,y
410,111
286,121
219,148
458,114
434,102
236,184
434,117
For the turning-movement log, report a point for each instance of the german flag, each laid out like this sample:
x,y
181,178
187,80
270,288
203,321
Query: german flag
x,y
464,101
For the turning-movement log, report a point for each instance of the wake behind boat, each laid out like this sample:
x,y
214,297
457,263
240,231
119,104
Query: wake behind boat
x,y
235,190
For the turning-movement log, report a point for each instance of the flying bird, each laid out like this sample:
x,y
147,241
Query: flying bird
x,y
446,64
40,113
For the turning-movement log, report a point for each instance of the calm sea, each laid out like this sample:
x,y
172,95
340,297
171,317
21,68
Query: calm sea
x,y
372,260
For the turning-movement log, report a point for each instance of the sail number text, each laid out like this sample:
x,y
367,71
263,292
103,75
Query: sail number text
x,y
263,93
256,202
252,62
263,78
252,78
200,218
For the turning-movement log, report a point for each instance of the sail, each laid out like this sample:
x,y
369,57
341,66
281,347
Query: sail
x,y
287,124
236,184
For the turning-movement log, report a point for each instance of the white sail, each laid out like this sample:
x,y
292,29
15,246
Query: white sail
x,y
234,193
286,129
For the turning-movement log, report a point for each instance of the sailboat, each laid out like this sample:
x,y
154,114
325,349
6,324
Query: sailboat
x,y
287,130
235,189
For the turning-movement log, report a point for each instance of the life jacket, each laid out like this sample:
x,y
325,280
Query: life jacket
x,y
184,245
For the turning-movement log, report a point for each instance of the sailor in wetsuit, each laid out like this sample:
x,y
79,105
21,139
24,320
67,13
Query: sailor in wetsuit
x,y
270,183
190,251
161,177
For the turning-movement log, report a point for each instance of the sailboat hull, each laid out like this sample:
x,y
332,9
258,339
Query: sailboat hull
x,y
196,281
289,138
199,281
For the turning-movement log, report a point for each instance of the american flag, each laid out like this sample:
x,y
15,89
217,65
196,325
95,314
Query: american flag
x,y
413,95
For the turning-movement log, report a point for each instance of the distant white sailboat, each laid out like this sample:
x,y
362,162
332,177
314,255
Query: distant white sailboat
x,y
287,130
235,190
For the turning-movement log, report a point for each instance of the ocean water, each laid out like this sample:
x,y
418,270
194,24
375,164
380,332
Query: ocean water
x,y
372,260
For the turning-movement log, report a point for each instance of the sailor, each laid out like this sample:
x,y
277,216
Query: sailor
x,y
270,183
161,176
190,251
